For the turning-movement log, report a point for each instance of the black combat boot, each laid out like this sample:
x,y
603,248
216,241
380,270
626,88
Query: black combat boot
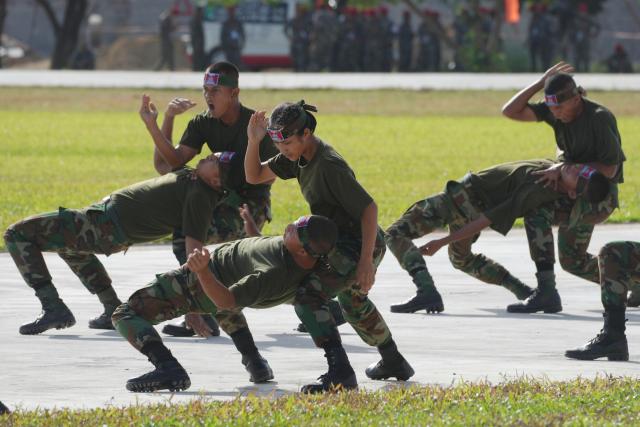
x,y
393,364
256,365
544,298
167,375
53,316
104,320
611,342
336,312
429,301
182,330
340,375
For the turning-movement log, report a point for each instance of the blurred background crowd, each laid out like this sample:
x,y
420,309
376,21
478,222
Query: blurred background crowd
x,y
322,35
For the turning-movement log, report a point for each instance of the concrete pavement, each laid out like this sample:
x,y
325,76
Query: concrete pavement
x,y
474,339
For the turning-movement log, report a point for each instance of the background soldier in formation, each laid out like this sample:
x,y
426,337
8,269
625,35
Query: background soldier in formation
x,y
232,37
428,45
324,34
619,61
405,42
298,31
540,37
167,27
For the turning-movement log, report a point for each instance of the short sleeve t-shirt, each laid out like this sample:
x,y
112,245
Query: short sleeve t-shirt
x,y
329,186
259,271
591,137
152,209
203,129
509,191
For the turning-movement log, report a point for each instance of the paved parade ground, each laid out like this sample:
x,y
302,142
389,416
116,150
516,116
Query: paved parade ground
x,y
473,339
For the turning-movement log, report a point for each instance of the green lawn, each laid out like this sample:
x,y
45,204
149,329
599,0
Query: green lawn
x,y
600,402
63,147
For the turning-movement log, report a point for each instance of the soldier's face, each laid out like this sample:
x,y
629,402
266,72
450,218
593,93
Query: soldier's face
x,y
208,170
291,147
567,111
569,175
292,240
219,99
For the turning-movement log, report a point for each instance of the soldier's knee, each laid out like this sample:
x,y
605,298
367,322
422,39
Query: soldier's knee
x,y
123,311
607,250
10,235
571,264
460,262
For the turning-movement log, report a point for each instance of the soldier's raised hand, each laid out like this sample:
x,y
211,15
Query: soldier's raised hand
x,y
560,67
178,106
148,111
198,260
257,128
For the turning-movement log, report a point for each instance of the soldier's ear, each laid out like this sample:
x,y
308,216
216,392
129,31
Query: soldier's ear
x,y
235,92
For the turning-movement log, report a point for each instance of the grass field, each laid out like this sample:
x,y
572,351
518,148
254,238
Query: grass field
x,y
71,147
601,402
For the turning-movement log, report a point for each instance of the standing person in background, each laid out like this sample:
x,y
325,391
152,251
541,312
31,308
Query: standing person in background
x,y
584,29
166,41
298,33
387,34
324,34
232,37
405,42
429,45
540,37
619,61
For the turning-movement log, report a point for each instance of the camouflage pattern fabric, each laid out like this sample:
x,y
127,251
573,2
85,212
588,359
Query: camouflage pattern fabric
x,y
338,278
619,264
76,235
575,220
168,296
454,208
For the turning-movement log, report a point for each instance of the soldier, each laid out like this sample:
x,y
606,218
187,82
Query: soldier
x,y
618,61
142,212
329,186
405,42
324,34
585,132
583,30
387,33
222,127
297,31
540,35
232,37
257,272
166,41
348,42
371,41
619,264
493,197
429,45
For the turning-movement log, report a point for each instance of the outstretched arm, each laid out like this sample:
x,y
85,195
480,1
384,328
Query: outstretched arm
x,y
469,230
198,263
517,108
255,171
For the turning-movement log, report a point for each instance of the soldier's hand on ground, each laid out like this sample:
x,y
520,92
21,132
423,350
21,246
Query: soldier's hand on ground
x,y
365,274
560,67
197,323
257,128
178,106
245,212
549,177
198,260
148,111
430,248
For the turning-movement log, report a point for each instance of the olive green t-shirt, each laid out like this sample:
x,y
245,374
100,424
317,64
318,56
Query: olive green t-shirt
x,y
203,129
152,209
329,186
259,271
509,191
592,137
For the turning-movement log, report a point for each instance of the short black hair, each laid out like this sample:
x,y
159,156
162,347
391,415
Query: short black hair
x,y
323,234
224,67
288,112
558,83
598,188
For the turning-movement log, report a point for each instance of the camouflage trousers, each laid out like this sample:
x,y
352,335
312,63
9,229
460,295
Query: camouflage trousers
x,y
76,235
338,278
168,296
453,208
227,225
575,220
619,265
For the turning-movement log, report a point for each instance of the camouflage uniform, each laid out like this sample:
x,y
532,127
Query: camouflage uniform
x,y
324,34
76,235
454,208
619,264
338,278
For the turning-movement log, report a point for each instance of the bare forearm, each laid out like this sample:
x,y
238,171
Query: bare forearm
x,y
216,291
469,230
164,147
519,102
167,127
190,244
252,164
607,170
369,225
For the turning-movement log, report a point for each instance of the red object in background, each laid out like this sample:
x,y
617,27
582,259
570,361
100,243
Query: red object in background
x,y
266,61
512,11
